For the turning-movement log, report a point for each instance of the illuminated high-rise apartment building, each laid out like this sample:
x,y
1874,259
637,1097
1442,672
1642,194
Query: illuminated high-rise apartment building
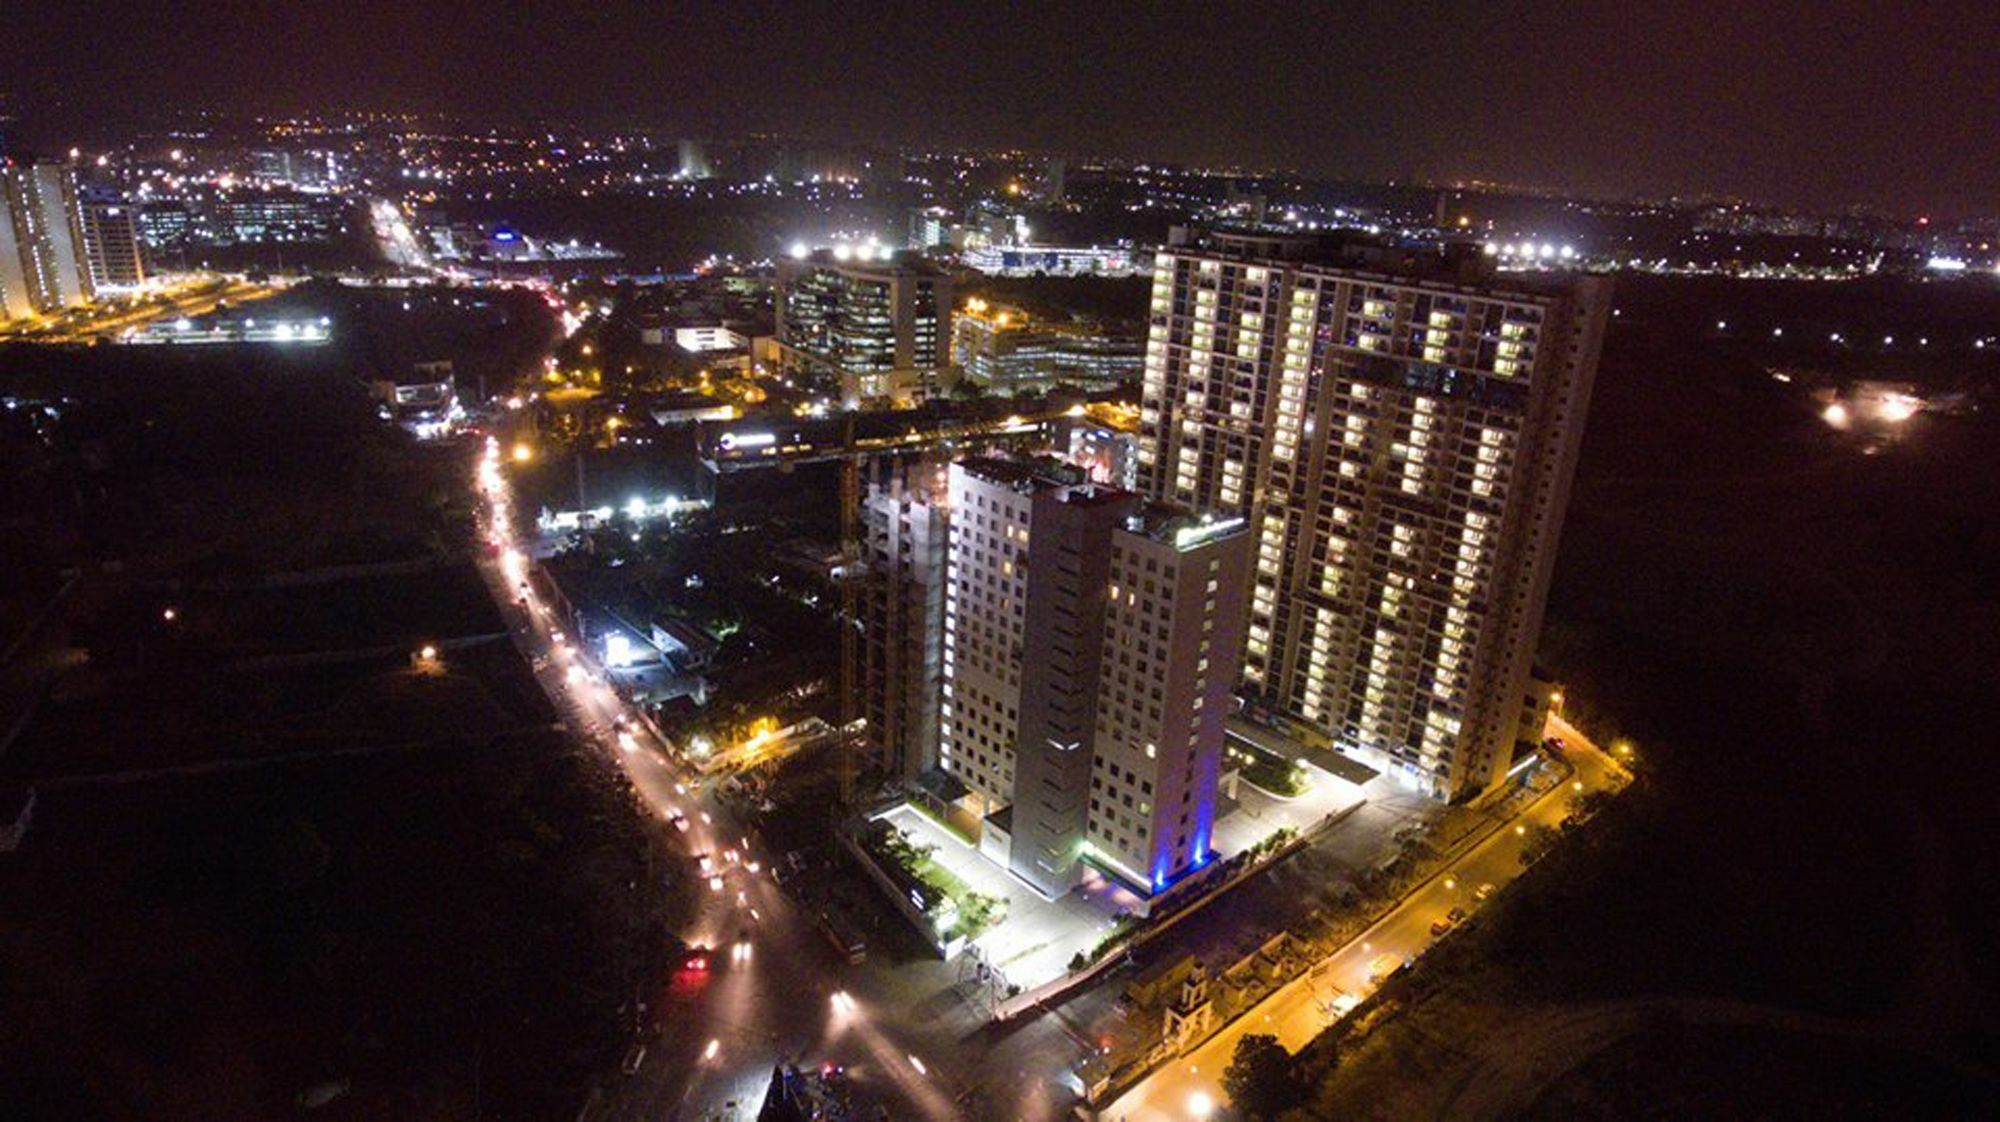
x,y
1091,641
42,263
1402,433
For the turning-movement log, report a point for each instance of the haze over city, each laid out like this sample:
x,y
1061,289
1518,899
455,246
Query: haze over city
x,y
1827,105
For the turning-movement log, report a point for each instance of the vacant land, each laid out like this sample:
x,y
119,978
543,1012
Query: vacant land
x,y
272,856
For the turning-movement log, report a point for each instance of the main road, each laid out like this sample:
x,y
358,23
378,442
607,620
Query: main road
x,y
1191,1087
769,989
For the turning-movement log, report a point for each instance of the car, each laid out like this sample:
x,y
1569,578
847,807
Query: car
x,y
1455,916
634,1057
680,821
1483,891
1440,927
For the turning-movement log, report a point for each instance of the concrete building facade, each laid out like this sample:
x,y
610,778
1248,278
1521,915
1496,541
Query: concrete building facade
x,y
42,263
111,245
1091,640
903,538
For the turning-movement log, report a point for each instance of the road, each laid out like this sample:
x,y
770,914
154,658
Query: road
x,y
773,991
111,320
1191,1087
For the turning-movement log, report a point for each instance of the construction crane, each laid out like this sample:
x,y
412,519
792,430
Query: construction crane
x,y
850,596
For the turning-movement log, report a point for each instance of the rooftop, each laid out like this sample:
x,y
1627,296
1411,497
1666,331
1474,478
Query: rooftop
x,y
1460,265
1023,476
1182,528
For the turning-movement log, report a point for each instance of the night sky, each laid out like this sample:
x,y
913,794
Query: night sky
x,y
1795,101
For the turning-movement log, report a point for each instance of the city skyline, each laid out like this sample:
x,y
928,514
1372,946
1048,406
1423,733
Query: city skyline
x,y
1797,105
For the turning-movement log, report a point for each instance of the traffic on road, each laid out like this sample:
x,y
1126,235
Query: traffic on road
x,y
759,986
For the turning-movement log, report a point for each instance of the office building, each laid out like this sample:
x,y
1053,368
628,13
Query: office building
x,y
306,170
1004,350
930,228
242,217
1403,437
878,323
111,245
42,263
1091,641
1028,260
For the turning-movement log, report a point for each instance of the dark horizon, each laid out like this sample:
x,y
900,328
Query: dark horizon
x,y
1818,106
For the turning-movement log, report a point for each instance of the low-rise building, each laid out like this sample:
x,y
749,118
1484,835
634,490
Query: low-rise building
x,y
1005,350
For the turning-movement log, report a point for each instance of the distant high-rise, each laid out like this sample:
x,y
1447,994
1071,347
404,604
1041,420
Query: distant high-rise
x,y
930,227
1091,641
111,245
42,263
877,322
694,161
1403,438
1052,179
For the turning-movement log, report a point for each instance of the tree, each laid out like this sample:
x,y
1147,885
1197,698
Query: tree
x,y
1259,1080
1539,841
1586,805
